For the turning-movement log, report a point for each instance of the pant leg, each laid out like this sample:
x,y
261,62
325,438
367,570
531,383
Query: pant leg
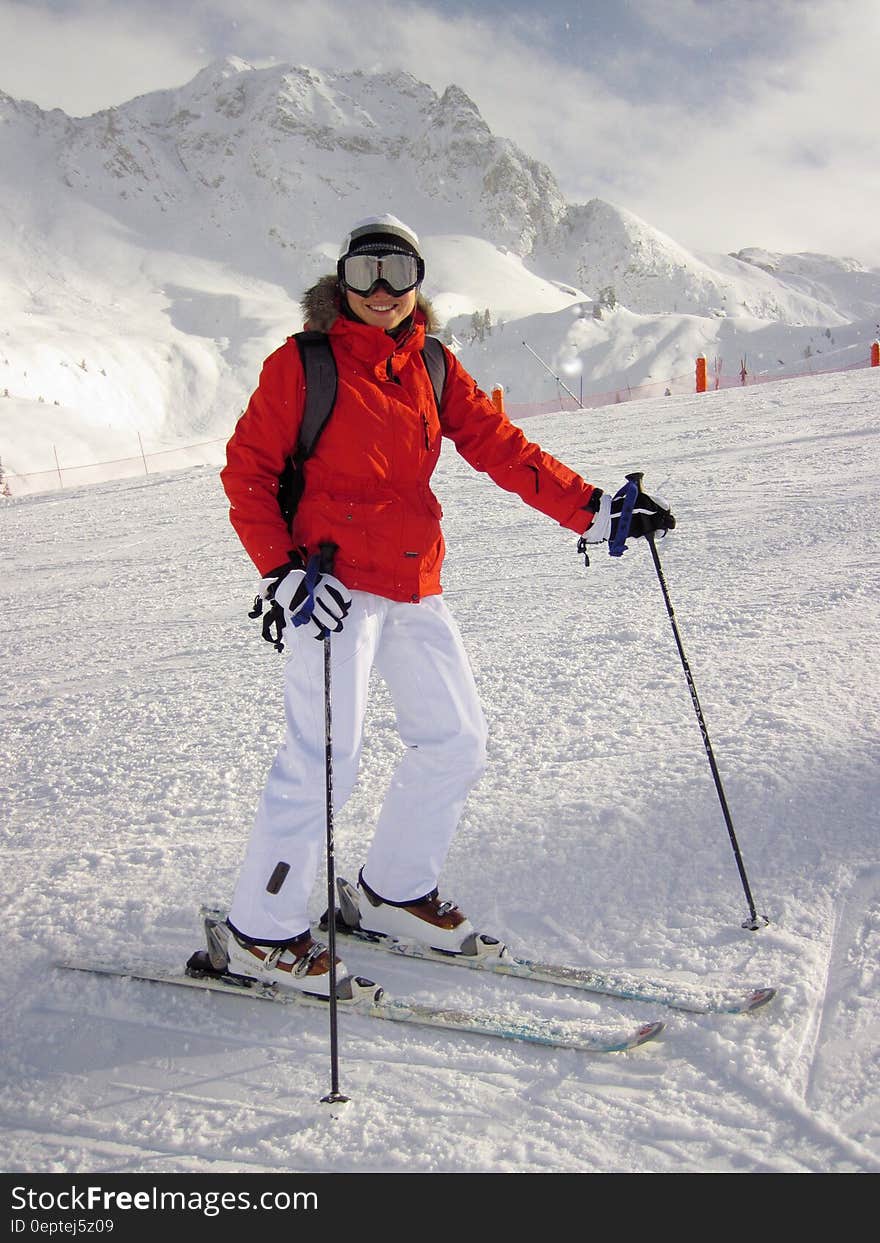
x,y
291,820
422,660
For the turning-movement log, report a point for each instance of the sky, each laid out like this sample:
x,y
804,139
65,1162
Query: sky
x,y
724,123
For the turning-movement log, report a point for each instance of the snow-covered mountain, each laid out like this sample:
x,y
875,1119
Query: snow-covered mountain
x,y
652,274
151,256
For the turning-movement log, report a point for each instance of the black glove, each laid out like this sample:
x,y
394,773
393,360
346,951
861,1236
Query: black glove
x,y
646,514
629,513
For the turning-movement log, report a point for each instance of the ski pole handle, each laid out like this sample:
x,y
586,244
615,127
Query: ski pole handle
x,y
320,562
629,492
304,613
327,556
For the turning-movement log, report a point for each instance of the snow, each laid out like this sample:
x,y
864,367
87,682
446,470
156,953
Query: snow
x,y
141,712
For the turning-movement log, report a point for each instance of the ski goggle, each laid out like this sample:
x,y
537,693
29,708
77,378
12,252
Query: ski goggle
x,y
363,273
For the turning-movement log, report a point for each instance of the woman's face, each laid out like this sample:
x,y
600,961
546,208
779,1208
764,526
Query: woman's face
x,y
381,308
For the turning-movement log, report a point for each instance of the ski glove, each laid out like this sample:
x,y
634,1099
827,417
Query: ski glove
x,y
301,596
630,513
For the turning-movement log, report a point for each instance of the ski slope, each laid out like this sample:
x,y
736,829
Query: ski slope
x,y
141,711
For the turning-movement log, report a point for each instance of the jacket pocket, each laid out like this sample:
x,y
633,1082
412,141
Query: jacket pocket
x,y
365,530
435,509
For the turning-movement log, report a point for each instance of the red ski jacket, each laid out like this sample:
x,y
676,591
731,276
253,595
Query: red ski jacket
x,y
367,484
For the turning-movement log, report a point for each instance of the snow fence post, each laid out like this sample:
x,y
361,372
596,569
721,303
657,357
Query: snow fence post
x,y
875,353
701,373
498,398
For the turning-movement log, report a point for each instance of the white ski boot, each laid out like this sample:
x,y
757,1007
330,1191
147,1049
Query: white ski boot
x,y
302,963
428,920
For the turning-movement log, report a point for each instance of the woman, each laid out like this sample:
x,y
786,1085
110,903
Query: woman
x,y
367,492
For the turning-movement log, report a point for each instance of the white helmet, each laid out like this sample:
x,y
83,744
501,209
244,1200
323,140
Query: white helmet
x,y
374,231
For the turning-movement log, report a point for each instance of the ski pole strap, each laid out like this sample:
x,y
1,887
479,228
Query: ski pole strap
x,y
313,572
273,622
629,492
273,627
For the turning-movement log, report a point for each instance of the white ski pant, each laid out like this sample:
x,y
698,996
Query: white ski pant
x,y
418,652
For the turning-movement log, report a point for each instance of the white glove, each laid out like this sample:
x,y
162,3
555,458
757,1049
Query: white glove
x,y
296,597
327,607
599,529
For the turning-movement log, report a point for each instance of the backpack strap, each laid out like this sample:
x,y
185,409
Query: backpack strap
x,y
435,362
319,368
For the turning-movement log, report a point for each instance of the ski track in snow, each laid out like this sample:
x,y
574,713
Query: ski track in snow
x,y
141,712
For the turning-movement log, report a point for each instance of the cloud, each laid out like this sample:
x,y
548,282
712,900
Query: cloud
x,y
85,57
795,165
724,124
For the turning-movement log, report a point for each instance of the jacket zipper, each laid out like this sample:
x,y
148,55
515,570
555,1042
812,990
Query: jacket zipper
x,y
389,371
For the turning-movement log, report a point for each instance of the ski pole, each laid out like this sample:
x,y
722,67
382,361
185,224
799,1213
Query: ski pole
x,y
334,1096
754,921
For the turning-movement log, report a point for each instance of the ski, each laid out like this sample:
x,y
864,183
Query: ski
x,y
376,1004
696,998
489,954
